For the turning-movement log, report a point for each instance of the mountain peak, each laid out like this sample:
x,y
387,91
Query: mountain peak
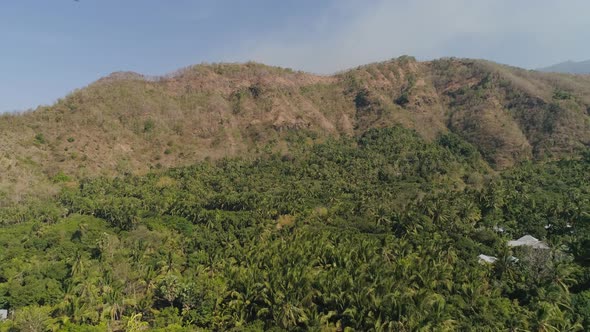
x,y
569,67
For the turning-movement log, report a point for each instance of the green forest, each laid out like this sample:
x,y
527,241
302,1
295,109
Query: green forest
x,y
379,232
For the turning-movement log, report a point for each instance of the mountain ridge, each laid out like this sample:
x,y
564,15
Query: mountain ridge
x,y
128,122
570,67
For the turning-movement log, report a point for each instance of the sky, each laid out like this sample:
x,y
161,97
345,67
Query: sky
x,y
48,48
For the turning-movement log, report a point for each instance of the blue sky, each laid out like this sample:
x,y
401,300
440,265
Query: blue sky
x,y
50,47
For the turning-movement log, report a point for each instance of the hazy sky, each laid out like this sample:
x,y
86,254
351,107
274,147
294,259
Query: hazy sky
x,y
50,47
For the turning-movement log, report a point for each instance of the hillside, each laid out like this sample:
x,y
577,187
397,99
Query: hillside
x,y
570,67
242,197
377,233
128,123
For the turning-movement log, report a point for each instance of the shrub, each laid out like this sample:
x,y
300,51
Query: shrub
x,y
561,95
403,99
148,126
61,177
40,138
361,100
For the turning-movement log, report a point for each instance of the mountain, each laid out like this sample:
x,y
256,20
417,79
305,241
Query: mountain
x,y
570,67
130,123
242,197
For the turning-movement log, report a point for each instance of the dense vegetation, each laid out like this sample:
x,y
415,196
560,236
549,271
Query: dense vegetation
x,y
380,232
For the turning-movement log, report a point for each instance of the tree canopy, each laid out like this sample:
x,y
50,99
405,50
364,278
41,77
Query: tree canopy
x,y
375,233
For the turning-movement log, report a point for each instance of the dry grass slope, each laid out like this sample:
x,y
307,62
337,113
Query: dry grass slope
x,y
130,123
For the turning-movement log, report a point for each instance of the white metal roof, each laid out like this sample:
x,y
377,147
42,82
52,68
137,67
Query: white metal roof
x,y
487,259
529,241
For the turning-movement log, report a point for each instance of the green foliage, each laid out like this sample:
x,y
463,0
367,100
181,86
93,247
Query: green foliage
x,y
561,94
404,59
61,177
362,100
41,211
458,146
404,97
33,319
379,232
148,125
40,138
581,304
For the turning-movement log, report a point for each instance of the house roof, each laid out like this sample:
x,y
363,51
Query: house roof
x,y
529,241
487,259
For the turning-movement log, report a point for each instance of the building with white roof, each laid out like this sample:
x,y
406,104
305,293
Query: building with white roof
x,y
487,259
528,241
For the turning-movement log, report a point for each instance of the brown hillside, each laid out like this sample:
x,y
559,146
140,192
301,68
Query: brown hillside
x,y
130,123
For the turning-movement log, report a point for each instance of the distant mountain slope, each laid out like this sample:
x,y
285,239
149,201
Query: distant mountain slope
x,y
570,67
130,123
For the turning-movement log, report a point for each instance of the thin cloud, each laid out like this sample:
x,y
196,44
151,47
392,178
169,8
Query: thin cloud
x,y
523,33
